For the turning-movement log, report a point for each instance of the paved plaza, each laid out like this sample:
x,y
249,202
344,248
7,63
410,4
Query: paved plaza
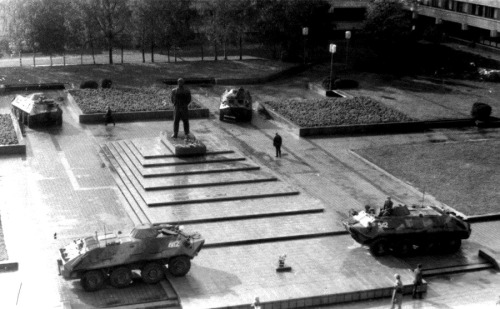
x,y
68,184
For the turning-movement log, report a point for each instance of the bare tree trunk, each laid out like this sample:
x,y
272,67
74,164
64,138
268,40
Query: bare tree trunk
x,y
64,58
122,53
81,55
201,52
215,51
152,51
110,52
34,52
175,53
168,54
241,48
93,52
50,56
20,58
224,46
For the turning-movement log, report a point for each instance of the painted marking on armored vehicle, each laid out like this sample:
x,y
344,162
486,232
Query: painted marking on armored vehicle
x,y
148,248
408,230
236,105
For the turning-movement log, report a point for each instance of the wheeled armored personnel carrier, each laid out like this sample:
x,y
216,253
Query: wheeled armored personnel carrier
x,y
236,105
148,248
36,110
407,230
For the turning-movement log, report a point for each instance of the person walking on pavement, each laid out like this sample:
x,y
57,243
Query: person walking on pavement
x,y
277,141
108,118
181,97
417,282
397,293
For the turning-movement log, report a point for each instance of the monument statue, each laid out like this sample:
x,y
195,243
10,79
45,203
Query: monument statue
x,y
181,97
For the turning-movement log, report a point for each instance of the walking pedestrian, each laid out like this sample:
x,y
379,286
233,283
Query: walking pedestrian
x,y
277,141
417,282
397,293
108,118
181,97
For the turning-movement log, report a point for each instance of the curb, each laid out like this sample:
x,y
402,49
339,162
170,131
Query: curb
x,y
20,147
491,257
24,87
9,266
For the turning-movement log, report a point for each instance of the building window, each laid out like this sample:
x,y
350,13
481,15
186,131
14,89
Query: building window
x,y
489,12
459,7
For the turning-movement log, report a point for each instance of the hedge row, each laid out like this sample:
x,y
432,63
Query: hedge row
x,y
7,131
95,101
337,111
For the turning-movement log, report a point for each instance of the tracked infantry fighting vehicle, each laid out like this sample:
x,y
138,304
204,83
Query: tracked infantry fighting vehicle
x,y
236,105
148,248
407,230
36,110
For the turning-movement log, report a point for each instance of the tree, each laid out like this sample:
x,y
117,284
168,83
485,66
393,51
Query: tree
x,y
81,27
112,17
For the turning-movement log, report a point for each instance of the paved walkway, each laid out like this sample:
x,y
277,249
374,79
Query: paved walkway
x,y
62,187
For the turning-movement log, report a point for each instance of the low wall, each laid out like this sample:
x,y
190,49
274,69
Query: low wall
x,y
134,116
20,147
379,128
24,87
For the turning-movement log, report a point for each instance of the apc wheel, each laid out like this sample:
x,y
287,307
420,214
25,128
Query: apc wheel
x,y
121,277
179,266
452,245
403,248
92,280
152,273
379,247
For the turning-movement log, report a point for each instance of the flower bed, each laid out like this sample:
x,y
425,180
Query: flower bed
x,y
95,101
337,111
7,131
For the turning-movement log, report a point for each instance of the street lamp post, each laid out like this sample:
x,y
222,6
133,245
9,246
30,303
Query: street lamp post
x,y
333,49
347,38
305,32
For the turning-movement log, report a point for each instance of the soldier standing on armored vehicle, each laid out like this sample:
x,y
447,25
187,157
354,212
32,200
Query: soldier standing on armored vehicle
x,y
386,211
181,97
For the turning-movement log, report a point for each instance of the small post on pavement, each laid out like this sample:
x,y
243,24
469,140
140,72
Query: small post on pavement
x,y
333,49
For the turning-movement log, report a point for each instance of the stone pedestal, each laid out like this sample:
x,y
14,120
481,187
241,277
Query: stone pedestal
x,y
183,146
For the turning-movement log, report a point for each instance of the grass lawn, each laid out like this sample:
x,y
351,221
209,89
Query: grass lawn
x,y
140,75
7,132
462,175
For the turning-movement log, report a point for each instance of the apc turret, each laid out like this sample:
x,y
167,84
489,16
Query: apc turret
x,y
150,248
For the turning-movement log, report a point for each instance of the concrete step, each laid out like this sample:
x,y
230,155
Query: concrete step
x,y
217,193
206,180
183,169
151,148
260,230
236,210
456,269
135,202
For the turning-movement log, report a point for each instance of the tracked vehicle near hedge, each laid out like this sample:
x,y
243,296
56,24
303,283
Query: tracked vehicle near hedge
x,y
408,230
236,105
150,248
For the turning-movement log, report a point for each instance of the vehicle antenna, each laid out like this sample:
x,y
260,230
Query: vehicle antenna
x,y
105,238
423,197
97,239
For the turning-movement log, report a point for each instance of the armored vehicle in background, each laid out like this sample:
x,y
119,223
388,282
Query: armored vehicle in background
x,y
148,248
36,110
236,105
407,230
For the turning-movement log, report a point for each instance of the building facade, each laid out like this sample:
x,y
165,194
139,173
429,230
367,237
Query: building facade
x,y
470,20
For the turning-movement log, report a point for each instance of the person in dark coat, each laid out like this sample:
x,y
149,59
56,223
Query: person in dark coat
x,y
417,282
386,211
277,141
108,118
181,97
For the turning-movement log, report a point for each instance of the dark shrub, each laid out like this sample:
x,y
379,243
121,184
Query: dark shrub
x,y
345,84
326,82
106,83
480,111
89,84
